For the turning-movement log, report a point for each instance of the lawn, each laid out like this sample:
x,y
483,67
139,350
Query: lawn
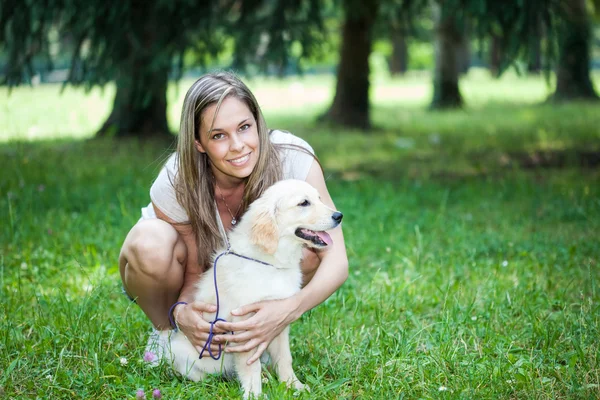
x,y
472,237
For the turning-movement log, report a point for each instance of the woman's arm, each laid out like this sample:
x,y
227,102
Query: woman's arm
x,y
333,268
273,316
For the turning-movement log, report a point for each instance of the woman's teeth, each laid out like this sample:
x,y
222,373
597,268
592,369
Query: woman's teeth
x,y
240,160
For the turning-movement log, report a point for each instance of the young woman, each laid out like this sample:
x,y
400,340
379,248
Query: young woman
x,y
226,157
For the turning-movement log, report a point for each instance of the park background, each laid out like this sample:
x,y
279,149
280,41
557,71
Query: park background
x,y
461,139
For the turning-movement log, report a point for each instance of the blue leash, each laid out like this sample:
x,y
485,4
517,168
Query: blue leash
x,y
217,319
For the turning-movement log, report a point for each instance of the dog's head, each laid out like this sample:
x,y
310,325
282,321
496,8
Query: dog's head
x,y
291,208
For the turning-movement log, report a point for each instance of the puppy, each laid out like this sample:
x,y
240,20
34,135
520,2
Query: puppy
x,y
270,237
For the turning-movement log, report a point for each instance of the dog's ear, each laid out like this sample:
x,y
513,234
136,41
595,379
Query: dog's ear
x,y
264,233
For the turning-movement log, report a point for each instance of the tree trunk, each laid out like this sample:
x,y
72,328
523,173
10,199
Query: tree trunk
x,y
573,72
495,55
446,93
399,60
464,53
139,106
350,105
534,63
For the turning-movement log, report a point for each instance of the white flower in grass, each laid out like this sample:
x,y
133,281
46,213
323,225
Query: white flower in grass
x,y
49,377
474,318
123,361
505,263
442,389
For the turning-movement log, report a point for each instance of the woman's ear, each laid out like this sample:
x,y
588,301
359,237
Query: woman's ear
x,y
264,233
199,146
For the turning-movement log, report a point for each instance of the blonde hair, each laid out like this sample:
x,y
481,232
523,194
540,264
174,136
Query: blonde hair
x,y
194,181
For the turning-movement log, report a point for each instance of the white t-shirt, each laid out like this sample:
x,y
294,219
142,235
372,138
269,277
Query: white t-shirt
x,y
295,164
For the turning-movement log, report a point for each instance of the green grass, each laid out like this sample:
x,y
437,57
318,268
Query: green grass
x,y
473,273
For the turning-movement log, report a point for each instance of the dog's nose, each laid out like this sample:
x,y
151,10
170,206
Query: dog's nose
x,y
337,216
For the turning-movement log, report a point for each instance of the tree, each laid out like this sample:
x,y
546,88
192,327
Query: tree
x,y
516,23
513,26
512,20
464,51
534,61
521,24
399,57
449,38
495,51
141,44
400,22
133,43
573,70
350,105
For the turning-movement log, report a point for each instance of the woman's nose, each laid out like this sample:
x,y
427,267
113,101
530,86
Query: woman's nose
x,y
236,143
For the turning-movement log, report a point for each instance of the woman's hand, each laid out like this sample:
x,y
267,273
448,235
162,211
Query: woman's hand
x,y
189,319
269,319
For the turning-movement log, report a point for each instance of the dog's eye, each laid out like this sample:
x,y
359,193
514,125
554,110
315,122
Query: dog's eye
x,y
305,203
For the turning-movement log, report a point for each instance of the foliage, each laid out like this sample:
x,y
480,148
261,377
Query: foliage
x,y
277,34
470,277
516,22
139,45
102,35
410,16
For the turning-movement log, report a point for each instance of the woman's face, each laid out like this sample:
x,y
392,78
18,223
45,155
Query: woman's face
x,y
232,145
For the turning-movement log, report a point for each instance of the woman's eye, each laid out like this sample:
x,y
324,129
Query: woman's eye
x,y
218,136
305,203
244,127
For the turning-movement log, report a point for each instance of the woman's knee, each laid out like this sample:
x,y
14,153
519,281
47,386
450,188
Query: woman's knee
x,y
153,247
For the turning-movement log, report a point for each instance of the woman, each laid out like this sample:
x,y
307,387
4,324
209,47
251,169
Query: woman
x,y
226,157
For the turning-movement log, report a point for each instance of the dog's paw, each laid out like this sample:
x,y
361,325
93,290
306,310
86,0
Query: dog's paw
x,y
299,386
254,396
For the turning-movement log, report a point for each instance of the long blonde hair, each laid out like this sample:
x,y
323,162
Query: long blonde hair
x,y
194,181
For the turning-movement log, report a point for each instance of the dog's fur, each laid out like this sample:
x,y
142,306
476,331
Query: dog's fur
x,y
267,232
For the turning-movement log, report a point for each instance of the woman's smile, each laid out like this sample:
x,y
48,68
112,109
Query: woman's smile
x,y
240,161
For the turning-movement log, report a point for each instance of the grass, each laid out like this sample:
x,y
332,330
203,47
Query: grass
x,y
474,266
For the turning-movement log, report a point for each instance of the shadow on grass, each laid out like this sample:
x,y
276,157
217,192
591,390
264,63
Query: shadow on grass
x,y
490,163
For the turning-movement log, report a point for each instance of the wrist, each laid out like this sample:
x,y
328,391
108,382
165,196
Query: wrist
x,y
173,312
295,304
176,312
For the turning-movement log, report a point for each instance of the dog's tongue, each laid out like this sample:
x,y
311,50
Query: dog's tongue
x,y
325,237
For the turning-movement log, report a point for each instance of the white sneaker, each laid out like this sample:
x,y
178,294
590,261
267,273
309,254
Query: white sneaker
x,y
156,348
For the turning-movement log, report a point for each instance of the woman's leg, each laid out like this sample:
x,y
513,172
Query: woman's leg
x,y
152,264
309,265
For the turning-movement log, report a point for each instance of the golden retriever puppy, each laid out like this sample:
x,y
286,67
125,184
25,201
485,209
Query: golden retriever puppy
x,y
262,263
